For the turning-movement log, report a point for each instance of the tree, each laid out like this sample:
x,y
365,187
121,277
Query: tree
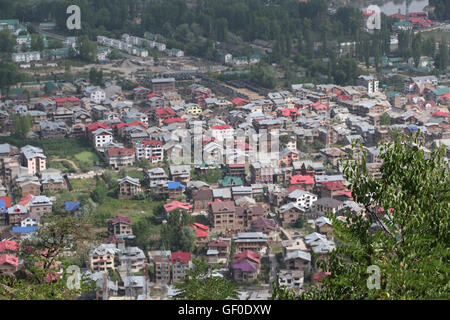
x,y
37,42
55,44
87,48
417,49
41,256
22,125
443,55
143,164
385,120
404,231
7,41
201,284
301,221
96,77
187,239
100,192
177,234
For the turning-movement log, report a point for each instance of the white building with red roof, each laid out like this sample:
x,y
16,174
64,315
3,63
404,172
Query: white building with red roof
x,y
221,132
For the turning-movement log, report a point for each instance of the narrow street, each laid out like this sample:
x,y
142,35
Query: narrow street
x,y
273,269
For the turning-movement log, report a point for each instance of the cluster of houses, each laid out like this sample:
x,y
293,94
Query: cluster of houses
x,y
277,159
137,46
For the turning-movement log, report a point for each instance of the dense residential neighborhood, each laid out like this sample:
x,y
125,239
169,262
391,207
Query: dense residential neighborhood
x,y
177,165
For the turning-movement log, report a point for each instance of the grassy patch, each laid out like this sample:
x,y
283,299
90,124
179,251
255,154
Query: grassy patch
x,y
87,156
135,209
53,148
78,184
64,166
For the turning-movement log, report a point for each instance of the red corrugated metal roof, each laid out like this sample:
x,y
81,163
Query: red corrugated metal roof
x,y
7,200
180,256
114,152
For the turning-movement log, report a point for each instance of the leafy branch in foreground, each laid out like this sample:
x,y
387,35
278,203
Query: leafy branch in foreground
x,y
404,230
202,284
44,273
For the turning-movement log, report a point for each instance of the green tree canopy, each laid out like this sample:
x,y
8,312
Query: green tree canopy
x,y
201,284
22,125
404,231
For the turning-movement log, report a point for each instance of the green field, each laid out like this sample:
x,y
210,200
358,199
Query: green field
x,y
77,149
87,156
63,165
87,184
135,209
53,148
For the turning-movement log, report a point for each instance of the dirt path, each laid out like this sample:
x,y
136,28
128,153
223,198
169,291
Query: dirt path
x,y
69,161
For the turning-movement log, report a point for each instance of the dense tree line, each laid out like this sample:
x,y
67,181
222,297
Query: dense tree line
x,y
10,75
442,8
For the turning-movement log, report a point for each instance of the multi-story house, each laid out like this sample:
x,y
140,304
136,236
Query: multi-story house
x,y
140,93
286,158
368,82
162,85
120,226
160,114
96,94
120,157
100,137
289,213
202,199
53,183
33,158
132,260
28,185
152,176
129,187
221,132
291,279
26,56
255,241
326,205
40,205
303,199
223,216
246,266
16,213
236,170
161,261
101,259
150,149
298,260
181,262
180,173
219,250
261,173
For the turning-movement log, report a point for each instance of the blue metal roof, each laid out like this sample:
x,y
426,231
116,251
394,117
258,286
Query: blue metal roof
x,y
71,205
175,185
2,206
24,229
